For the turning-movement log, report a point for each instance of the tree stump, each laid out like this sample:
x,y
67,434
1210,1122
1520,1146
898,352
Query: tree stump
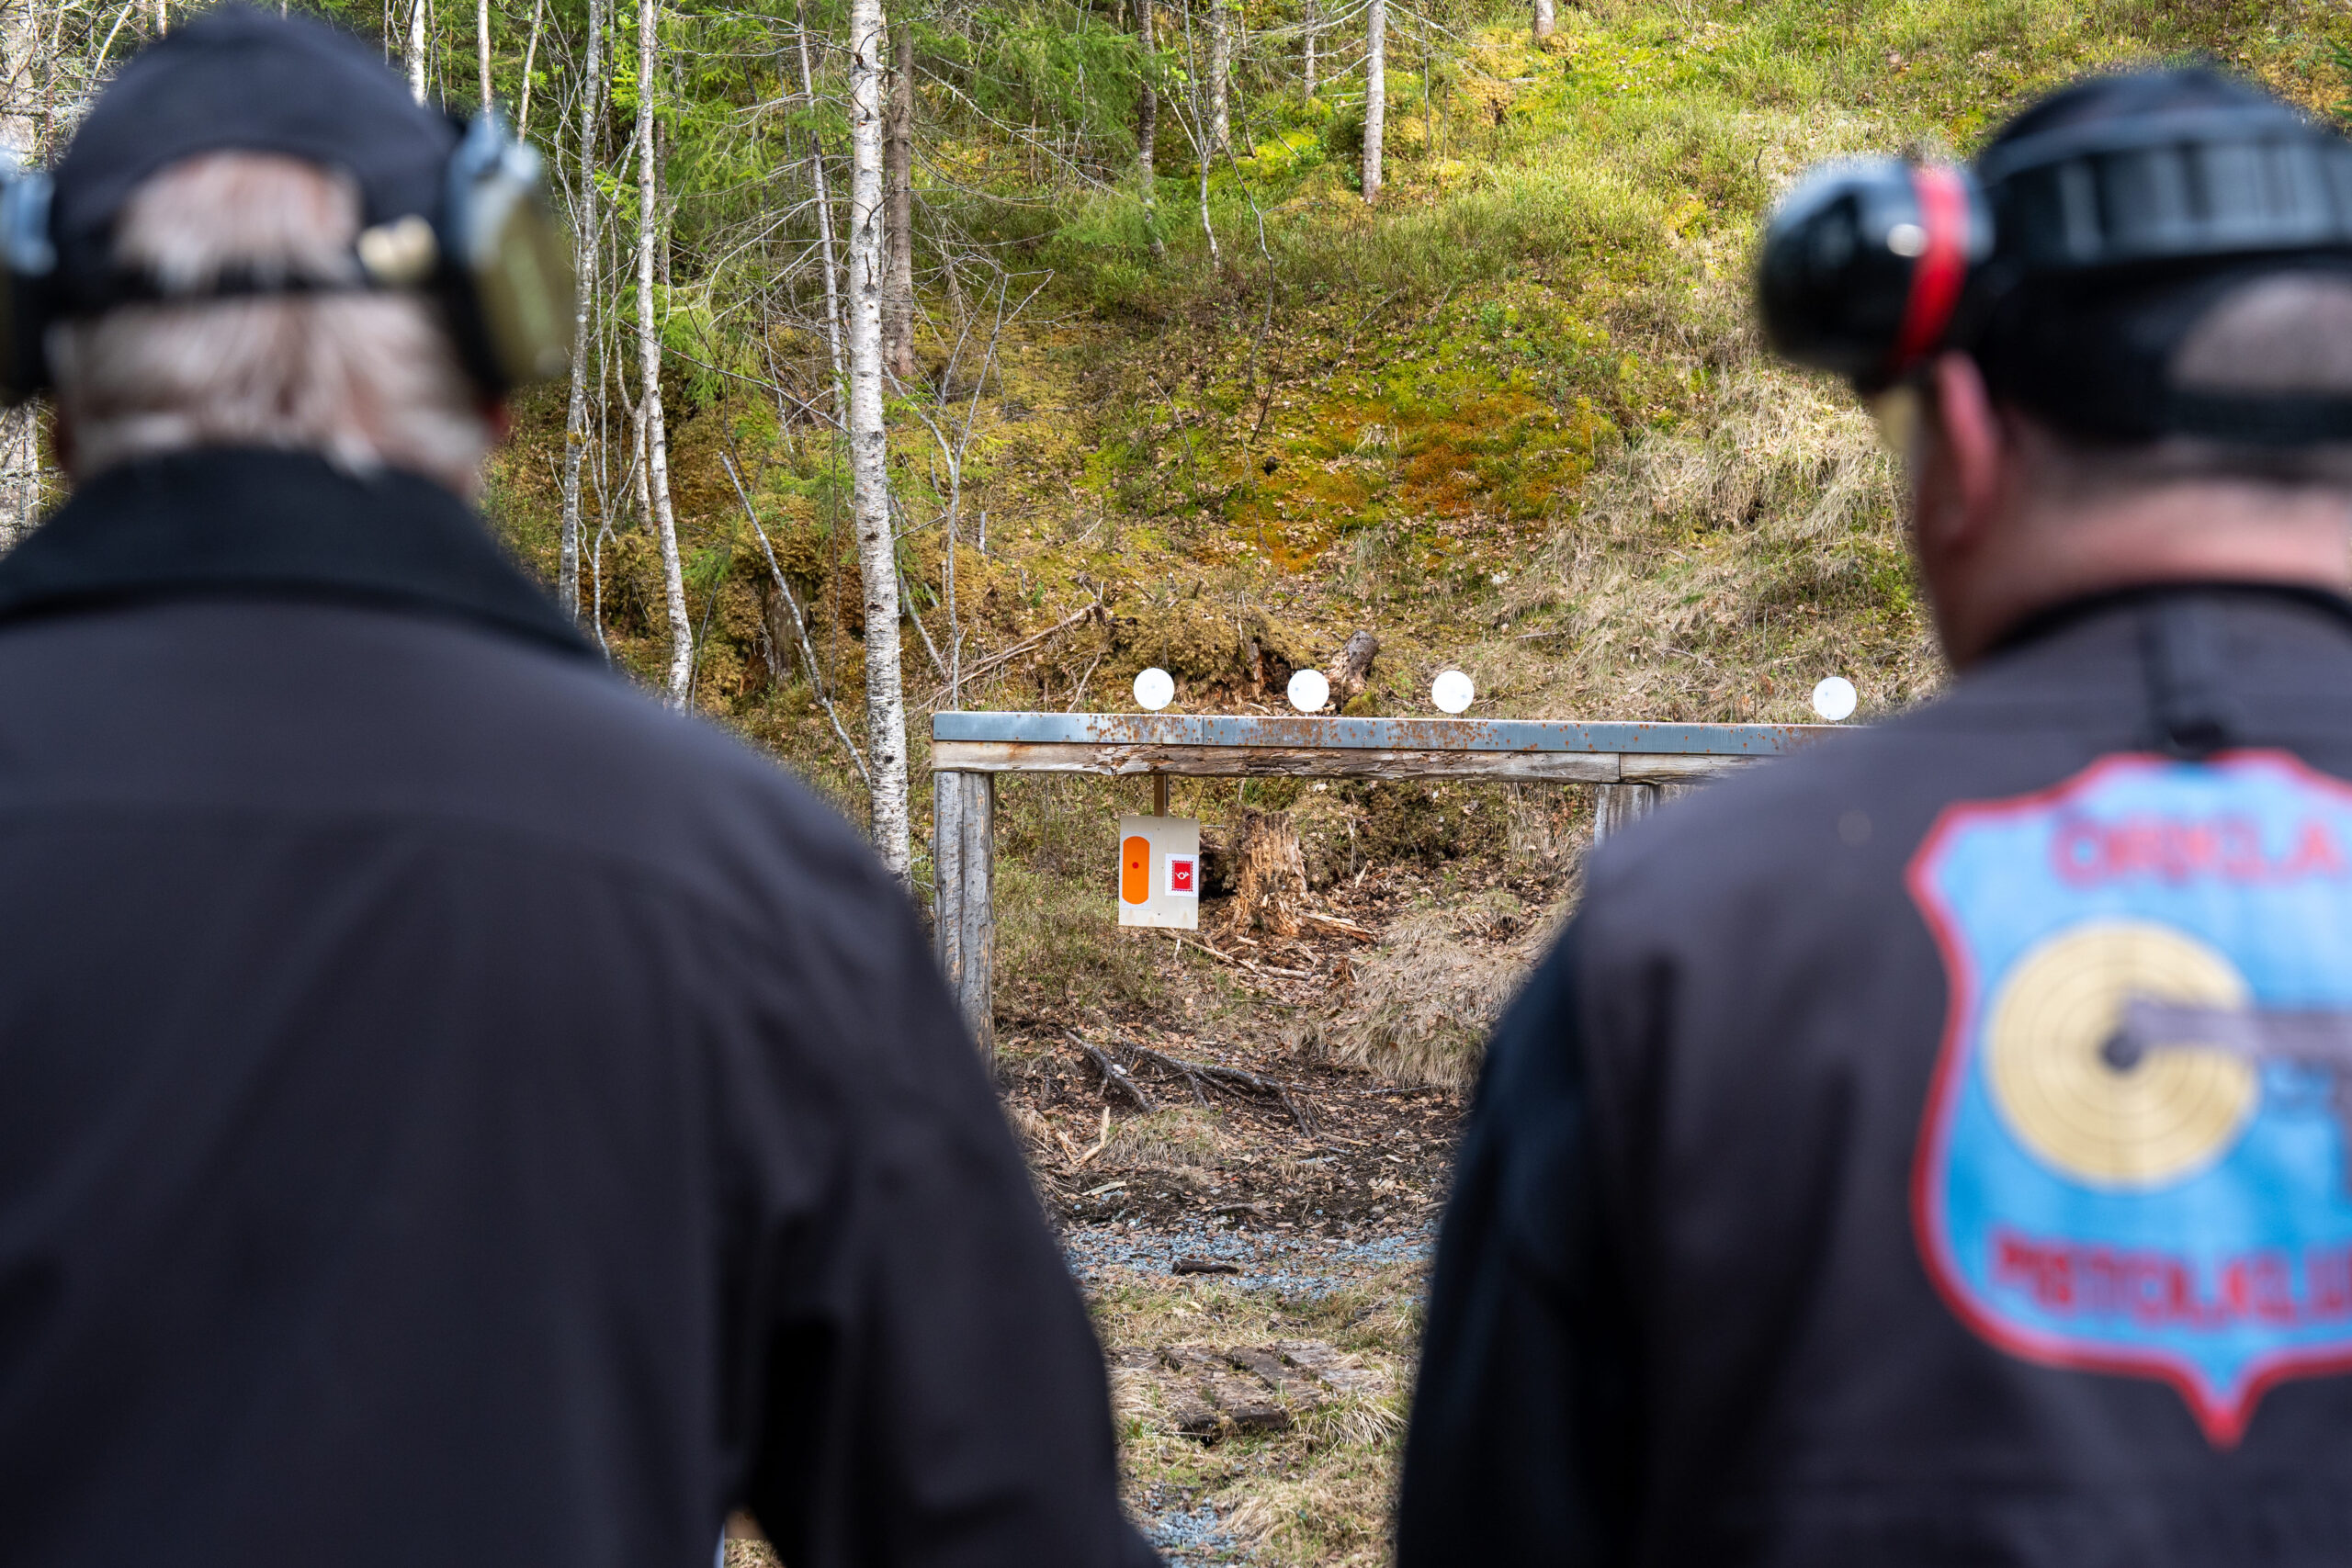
x,y
1270,874
1353,668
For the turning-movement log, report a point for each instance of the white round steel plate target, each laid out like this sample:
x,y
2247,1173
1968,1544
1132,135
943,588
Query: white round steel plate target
x,y
1309,690
1155,688
1834,698
2153,1122
1453,691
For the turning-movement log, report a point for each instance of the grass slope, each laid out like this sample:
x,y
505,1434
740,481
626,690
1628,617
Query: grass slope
x,y
1514,420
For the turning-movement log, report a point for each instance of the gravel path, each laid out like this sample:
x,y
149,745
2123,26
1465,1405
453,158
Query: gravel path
x,y
1192,1538
1307,1265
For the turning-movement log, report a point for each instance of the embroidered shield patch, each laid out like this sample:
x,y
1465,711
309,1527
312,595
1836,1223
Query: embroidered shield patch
x,y
2134,1154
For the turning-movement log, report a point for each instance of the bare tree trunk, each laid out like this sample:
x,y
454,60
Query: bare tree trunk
x,y
898,226
530,54
1314,27
1220,76
886,706
1546,19
824,236
586,254
416,50
1352,669
1148,126
481,46
649,347
20,40
1375,94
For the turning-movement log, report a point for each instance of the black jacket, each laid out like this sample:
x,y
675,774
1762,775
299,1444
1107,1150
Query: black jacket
x,y
453,1110
1932,1148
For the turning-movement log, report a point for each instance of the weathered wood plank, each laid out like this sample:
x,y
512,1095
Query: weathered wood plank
x,y
1657,767
963,852
1265,762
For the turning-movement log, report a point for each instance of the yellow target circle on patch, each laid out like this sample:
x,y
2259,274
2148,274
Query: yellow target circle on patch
x,y
2176,1109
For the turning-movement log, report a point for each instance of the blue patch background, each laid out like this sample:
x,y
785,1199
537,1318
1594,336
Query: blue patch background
x,y
1990,880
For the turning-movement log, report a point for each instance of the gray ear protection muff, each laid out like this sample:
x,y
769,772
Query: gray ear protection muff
x,y
492,254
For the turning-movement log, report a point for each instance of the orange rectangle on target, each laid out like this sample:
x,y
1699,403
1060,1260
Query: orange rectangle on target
x,y
1134,869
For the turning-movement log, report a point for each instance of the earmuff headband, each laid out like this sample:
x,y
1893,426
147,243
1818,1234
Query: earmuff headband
x,y
1939,272
492,254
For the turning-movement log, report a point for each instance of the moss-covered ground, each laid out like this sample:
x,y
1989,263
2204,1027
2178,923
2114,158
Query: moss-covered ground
x,y
1514,419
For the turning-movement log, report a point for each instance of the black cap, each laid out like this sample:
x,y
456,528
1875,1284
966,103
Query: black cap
x,y
238,79
2092,349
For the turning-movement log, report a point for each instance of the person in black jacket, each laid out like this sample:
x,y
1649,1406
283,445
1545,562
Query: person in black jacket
x,y
1933,1149
452,1109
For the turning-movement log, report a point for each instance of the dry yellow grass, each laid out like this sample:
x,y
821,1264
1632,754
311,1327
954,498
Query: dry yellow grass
x,y
1320,1494
1427,997
1186,1137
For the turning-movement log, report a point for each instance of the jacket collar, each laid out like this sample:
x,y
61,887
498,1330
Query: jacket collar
x,y
251,524
2046,622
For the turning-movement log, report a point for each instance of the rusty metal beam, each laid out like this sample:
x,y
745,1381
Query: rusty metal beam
x,y
1485,735
1261,762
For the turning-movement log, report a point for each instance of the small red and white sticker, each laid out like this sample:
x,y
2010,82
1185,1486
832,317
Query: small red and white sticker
x,y
1184,876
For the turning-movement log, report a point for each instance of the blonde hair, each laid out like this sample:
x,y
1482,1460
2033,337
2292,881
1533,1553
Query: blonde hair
x,y
369,380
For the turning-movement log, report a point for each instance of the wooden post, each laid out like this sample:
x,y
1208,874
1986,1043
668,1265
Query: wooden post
x,y
1159,795
1620,805
962,854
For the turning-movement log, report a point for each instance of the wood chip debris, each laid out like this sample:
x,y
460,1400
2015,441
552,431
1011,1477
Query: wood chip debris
x,y
1337,926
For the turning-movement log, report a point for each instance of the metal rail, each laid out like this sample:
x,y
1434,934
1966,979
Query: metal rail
x,y
1479,734
1635,763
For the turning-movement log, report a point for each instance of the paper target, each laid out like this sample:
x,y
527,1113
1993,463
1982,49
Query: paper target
x,y
2154,1121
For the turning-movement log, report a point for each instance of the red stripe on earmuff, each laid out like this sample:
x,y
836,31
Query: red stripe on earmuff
x,y
1941,269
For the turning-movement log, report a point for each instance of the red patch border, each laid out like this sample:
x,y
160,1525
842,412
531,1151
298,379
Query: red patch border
x,y
2222,1416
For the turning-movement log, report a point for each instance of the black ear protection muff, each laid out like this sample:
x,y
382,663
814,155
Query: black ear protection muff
x,y
493,256
1865,262
1870,267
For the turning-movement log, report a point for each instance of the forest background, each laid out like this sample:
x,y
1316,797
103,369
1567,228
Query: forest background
x,y
947,354
941,353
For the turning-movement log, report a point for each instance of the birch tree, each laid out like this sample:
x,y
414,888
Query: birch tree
x,y
530,53
1547,19
649,345
1220,76
1312,27
415,50
20,42
886,706
481,46
587,254
1375,93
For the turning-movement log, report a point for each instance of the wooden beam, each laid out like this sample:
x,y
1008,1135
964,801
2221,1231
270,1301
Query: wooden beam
x,y
962,858
1651,767
1618,807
